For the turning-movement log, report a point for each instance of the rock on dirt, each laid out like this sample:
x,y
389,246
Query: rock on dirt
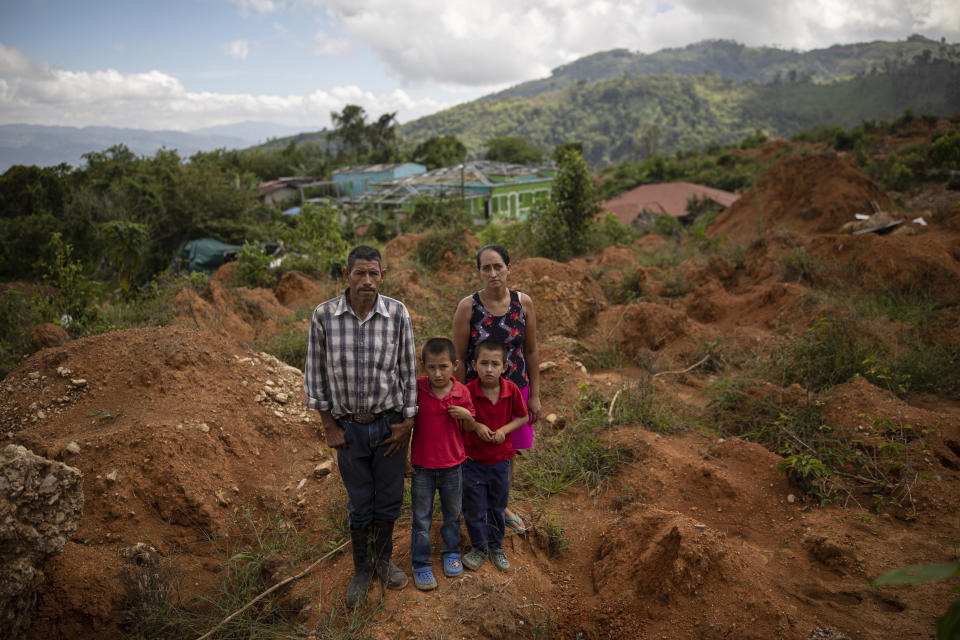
x,y
41,503
49,335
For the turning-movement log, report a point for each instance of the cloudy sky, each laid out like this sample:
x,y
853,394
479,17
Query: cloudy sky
x,y
179,64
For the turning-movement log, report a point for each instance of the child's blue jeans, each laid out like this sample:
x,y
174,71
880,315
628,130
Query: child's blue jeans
x,y
423,486
486,489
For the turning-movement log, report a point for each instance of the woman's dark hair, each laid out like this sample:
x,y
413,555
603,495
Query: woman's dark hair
x,y
494,247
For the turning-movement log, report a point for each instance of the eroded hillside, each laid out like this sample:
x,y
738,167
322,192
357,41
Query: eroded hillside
x,y
668,356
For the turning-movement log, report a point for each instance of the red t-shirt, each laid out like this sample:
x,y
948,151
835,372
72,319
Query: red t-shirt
x,y
508,406
437,436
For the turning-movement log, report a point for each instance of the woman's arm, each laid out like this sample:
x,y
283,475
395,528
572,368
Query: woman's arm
x,y
461,336
531,356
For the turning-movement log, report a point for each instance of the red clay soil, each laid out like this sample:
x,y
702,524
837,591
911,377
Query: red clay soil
x,y
807,193
184,430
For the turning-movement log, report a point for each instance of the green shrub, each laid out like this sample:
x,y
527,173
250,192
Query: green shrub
x,y
290,345
800,266
925,367
944,152
253,266
754,140
431,214
828,353
431,250
666,225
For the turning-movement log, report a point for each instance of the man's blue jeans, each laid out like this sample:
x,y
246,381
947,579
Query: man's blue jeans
x,y
486,489
424,484
374,481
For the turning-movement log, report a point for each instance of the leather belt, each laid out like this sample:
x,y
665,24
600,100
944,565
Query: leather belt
x,y
366,418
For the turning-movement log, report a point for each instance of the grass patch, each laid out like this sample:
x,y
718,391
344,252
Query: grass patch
x,y
576,454
156,607
290,345
830,352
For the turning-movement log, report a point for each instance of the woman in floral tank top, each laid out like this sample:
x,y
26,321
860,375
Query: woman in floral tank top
x,y
507,316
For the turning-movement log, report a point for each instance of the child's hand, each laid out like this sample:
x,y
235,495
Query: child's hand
x,y
456,411
485,433
499,436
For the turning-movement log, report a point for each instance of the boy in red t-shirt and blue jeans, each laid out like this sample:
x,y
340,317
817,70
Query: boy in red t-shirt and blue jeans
x,y
500,409
437,452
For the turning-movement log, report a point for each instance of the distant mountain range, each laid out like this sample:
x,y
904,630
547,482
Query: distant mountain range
x,y
621,105
50,145
625,106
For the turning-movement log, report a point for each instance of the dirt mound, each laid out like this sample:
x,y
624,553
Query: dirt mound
x,y
239,314
646,331
297,291
177,433
566,298
926,263
807,193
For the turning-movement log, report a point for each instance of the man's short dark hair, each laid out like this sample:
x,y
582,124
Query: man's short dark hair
x,y
491,345
438,346
363,252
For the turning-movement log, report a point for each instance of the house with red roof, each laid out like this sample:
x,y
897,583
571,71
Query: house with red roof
x,y
668,198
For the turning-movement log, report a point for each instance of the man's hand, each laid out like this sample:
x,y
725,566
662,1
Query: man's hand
x,y
499,436
333,431
400,434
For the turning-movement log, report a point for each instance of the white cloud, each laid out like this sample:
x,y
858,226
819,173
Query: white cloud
x,y
501,42
238,49
257,6
156,100
324,45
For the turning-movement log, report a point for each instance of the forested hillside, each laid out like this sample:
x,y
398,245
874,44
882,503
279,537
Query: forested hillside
x,y
627,106
733,60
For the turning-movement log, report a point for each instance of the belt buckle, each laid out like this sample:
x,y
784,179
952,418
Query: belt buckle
x,y
364,418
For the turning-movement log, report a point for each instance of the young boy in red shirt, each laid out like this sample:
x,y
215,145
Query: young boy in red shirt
x,y
486,473
436,452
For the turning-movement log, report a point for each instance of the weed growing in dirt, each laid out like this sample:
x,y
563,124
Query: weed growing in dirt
x,y
575,454
821,460
289,345
607,356
799,266
550,532
638,404
828,353
926,367
156,609
676,285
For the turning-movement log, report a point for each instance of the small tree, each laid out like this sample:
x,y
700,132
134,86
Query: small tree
x,y
562,221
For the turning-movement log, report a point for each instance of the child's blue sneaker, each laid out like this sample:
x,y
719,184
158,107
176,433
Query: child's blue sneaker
x,y
423,579
451,565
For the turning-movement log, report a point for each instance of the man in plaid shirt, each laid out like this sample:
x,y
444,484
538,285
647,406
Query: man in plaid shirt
x,y
361,374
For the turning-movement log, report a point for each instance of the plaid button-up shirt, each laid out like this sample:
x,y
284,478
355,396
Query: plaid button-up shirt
x,y
359,365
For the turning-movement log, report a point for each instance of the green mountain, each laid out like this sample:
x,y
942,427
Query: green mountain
x,y
733,60
623,106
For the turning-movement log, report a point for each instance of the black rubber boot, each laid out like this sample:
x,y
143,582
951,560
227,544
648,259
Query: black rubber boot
x,y
390,573
362,567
